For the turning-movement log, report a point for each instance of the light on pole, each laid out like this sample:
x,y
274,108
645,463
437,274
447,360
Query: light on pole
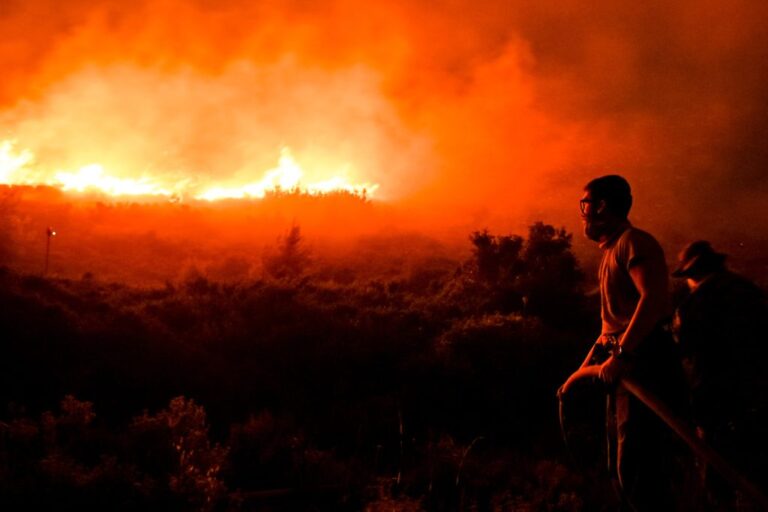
x,y
49,233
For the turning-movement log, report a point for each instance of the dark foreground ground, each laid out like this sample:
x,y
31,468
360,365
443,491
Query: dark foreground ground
x,y
307,388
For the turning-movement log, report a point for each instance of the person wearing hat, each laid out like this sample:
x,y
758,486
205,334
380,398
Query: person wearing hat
x,y
697,262
720,328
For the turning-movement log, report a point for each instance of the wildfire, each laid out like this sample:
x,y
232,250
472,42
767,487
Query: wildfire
x,y
17,168
286,176
92,177
11,161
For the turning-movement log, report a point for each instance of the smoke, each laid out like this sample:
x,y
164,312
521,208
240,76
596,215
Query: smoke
x,y
197,130
490,111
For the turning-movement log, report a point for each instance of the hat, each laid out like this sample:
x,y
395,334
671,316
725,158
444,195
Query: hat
x,y
698,257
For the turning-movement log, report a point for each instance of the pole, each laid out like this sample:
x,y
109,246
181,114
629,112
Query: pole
x,y
49,233
699,447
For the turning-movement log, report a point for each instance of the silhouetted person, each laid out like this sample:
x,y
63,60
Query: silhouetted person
x,y
722,332
635,311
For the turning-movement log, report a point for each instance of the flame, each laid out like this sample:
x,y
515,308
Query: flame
x,y
17,168
92,177
286,177
11,161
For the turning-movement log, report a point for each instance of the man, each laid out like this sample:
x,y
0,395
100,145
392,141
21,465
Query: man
x,y
635,305
720,329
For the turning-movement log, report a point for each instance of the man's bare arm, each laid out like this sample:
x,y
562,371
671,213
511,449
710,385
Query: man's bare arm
x,y
589,357
651,283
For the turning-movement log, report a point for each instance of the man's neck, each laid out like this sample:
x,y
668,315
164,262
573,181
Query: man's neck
x,y
613,230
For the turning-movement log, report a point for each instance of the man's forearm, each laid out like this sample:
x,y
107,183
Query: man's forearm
x,y
589,356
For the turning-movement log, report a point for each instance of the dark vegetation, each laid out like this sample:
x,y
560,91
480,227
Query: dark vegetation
x,y
148,243
310,387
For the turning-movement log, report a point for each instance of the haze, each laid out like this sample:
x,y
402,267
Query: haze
x,y
468,115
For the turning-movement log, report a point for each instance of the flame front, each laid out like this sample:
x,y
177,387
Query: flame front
x,y
17,168
286,177
92,177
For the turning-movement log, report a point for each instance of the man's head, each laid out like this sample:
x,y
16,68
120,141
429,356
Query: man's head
x,y
605,204
697,260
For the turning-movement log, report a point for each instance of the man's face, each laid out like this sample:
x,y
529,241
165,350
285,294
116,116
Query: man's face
x,y
592,216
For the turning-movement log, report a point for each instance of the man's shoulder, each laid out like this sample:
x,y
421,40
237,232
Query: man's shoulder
x,y
636,237
634,233
731,284
635,245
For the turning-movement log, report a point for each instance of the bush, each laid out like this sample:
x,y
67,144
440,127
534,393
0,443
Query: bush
x,y
294,380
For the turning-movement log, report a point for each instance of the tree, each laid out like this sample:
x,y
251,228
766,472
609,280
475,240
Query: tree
x,y
291,258
552,281
538,275
496,257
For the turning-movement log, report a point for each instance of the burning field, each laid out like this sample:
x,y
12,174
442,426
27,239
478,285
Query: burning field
x,y
328,247
461,117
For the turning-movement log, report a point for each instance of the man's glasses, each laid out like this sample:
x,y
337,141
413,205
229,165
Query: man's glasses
x,y
583,204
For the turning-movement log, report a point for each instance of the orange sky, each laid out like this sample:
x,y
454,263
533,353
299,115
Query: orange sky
x,y
463,111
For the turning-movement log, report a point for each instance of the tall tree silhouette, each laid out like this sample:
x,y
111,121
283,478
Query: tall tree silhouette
x,y
291,258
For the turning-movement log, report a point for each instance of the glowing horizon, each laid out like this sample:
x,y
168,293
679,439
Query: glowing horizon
x,y
17,167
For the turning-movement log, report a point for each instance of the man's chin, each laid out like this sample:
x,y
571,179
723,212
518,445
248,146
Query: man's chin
x,y
592,232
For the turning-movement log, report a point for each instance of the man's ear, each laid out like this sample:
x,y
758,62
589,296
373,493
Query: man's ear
x,y
601,206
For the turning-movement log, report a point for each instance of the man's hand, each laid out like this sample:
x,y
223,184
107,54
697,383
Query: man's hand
x,y
611,370
590,371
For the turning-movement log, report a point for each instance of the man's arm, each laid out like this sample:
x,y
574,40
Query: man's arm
x,y
587,361
590,354
600,341
651,282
